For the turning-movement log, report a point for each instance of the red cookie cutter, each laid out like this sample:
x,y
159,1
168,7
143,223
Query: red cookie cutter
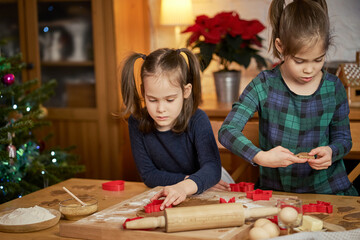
x,y
135,218
242,187
319,206
259,194
117,185
231,200
274,219
154,206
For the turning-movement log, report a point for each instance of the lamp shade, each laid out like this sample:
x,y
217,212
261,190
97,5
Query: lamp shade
x,y
176,12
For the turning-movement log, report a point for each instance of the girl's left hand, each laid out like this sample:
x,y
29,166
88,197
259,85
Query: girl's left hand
x,y
323,160
221,186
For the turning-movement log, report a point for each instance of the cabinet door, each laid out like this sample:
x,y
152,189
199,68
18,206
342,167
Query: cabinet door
x,y
66,51
56,39
9,25
9,30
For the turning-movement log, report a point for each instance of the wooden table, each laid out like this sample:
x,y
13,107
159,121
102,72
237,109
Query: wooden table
x,y
346,209
51,196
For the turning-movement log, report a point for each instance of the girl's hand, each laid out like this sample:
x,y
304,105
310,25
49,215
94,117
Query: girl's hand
x,y
221,186
277,157
177,193
323,160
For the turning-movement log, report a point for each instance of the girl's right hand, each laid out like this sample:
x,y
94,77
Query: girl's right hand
x,y
175,194
277,157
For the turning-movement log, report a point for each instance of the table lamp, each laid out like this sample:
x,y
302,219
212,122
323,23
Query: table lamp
x,y
176,13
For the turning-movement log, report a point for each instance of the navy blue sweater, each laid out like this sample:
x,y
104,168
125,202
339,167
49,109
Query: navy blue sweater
x,y
166,158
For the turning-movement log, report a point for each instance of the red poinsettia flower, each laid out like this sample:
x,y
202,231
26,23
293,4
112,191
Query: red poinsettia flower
x,y
236,28
252,29
227,36
196,30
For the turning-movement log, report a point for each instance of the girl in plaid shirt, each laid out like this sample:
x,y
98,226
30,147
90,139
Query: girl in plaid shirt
x,y
301,107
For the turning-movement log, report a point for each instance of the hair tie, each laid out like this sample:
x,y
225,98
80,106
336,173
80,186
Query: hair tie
x,y
287,2
143,56
178,51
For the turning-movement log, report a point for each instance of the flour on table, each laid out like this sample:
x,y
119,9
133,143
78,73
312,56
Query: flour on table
x,y
21,216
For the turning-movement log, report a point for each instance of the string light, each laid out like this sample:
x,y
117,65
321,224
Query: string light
x,y
28,109
1,187
52,153
54,160
46,29
14,106
42,172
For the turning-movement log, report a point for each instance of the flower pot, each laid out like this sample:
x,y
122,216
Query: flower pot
x,y
227,85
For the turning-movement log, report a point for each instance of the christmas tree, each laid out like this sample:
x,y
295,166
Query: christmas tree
x,y
25,164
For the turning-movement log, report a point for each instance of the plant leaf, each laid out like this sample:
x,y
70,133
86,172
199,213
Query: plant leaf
x,y
233,42
243,58
207,50
260,61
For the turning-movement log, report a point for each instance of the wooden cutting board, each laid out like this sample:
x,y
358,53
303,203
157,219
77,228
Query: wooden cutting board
x,y
107,224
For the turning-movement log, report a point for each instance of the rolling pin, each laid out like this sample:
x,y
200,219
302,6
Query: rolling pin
x,y
202,217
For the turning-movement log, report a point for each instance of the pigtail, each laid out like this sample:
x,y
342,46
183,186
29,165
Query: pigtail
x,y
298,24
188,71
323,5
328,37
193,77
130,95
275,11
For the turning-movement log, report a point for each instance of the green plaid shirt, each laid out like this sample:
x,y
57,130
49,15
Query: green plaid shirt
x,y
298,123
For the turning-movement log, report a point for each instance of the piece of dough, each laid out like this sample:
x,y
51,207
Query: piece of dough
x,y
305,155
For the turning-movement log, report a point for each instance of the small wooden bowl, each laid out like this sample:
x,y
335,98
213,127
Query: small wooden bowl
x,y
73,210
33,226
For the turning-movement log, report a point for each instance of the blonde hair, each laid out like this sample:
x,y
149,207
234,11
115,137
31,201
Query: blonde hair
x,y
299,24
162,61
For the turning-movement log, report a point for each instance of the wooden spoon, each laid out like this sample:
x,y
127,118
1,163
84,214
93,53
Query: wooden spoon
x,y
75,197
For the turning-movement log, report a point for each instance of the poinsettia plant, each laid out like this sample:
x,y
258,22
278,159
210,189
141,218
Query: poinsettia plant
x,y
229,37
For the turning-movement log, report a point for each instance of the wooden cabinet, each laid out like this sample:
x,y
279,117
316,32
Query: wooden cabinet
x,y
80,43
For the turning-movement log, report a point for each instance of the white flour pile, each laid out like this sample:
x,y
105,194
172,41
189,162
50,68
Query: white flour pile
x,y
30,215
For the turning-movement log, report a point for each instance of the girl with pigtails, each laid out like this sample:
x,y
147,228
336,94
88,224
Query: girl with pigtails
x,y
172,140
302,108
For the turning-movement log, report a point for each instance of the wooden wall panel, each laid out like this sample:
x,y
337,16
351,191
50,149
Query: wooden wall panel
x,y
82,134
130,172
131,24
85,136
91,151
115,157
